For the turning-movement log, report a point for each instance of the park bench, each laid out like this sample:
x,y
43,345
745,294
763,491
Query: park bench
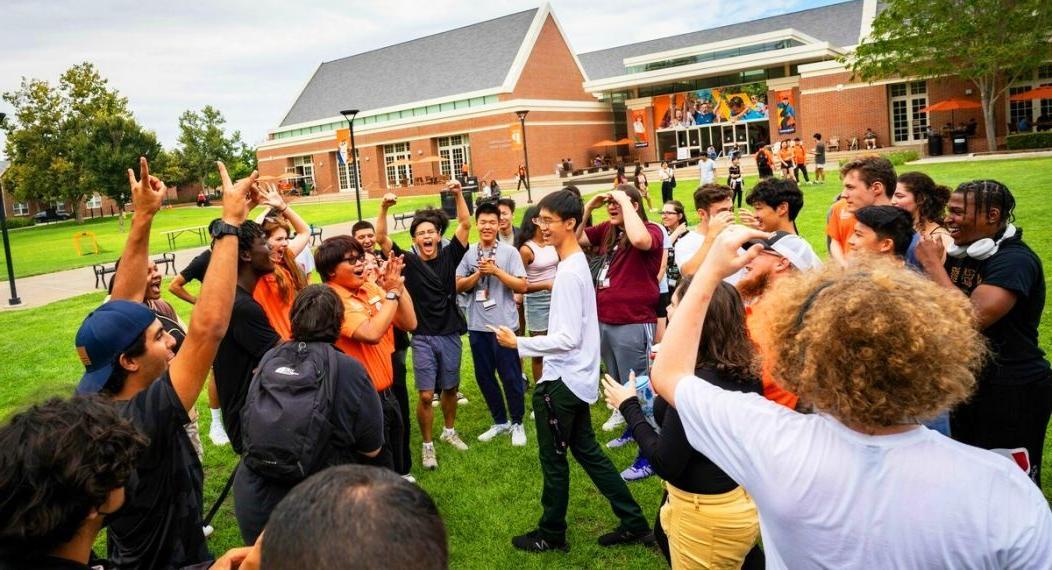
x,y
102,270
167,259
172,234
401,218
315,234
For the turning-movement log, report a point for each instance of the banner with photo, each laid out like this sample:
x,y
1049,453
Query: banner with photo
x,y
343,146
786,112
639,129
707,106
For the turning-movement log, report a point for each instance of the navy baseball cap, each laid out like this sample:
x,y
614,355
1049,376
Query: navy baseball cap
x,y
107,332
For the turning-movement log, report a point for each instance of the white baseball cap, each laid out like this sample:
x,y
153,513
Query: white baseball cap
x,y
792,247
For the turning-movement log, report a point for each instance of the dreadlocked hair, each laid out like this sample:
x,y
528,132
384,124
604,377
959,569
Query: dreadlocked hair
x,y
988,195
287,274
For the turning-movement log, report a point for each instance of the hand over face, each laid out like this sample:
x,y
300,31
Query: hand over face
x,y
148,192
718,223
598,200
619,196
723,259
748,219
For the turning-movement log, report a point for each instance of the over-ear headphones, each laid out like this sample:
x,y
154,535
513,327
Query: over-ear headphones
x,y
981,249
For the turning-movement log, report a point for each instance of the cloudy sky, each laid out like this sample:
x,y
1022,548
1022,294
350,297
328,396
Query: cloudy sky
x,y
251,58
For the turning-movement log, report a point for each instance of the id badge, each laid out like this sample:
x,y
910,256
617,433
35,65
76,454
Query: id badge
x,y
489,304
482,295
603,280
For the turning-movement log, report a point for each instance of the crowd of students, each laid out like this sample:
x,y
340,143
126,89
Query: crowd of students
x,y
827,411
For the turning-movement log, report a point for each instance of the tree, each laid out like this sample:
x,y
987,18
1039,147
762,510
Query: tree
x,y
73,139
203,141
991,43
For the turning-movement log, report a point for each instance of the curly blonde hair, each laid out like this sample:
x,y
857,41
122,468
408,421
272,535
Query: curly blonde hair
x,y
874,345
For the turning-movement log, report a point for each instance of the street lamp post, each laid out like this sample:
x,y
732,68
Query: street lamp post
x,y
14,300
349,115
525,154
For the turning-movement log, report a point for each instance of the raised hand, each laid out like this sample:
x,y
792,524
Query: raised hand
x,y
748,219
147,193
718,223
723,259
597,200
238,198
271,196
392,278
389,200
454,186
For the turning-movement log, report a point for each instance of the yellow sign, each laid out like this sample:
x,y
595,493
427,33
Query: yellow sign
x,y
516,135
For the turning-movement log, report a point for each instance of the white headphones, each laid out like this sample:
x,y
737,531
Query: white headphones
x,y
981,249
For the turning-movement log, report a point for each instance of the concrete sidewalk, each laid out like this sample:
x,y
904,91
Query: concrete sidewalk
x,y
40,290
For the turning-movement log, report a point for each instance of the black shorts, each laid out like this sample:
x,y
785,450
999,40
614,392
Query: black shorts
x,y
662,305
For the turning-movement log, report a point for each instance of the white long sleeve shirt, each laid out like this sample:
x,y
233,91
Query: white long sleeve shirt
x,y
571,347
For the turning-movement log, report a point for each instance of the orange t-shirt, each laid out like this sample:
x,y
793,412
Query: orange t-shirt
x,y
376,358
274,305
840,225
785,154
771,390
799,154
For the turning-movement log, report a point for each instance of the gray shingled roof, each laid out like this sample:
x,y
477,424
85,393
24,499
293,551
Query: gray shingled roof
x,y
458,61
837,24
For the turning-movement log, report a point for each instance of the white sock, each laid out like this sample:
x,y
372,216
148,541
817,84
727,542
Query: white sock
x,y
449,431
217,415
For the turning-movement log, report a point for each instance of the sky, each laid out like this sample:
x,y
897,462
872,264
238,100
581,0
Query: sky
x,y
251,58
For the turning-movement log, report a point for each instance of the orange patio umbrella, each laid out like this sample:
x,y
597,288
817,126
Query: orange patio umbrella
x,y
952,105
1043,92
624,141
604,143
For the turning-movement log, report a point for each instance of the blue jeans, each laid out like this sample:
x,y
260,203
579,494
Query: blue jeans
x,y
491,359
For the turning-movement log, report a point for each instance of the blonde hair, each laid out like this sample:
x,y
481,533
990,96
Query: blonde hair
x,y
874,345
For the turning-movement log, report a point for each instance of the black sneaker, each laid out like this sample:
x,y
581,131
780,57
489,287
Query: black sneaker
x,y
533,542
624,536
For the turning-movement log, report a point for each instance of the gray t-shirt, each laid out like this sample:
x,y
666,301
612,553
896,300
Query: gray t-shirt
x,y
503,312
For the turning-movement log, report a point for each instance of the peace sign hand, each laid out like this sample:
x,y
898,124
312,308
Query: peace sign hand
x,y
147,192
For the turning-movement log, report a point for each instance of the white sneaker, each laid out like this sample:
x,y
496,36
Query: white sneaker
x,y
616,420
435,402
494,431
454,440
461,399
518,435
427,457
218,435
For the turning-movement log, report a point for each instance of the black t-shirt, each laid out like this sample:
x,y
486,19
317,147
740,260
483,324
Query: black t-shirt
x,y
45,563
197,267
159,525
1017,357
433,285
670,453
247,339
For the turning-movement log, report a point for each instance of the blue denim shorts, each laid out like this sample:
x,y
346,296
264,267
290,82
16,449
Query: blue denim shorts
x,y
436,362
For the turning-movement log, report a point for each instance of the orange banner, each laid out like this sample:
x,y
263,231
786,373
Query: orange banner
x,y
343,146
639,129
516,135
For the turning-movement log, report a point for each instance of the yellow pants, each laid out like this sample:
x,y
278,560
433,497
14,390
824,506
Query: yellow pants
x,y
709,531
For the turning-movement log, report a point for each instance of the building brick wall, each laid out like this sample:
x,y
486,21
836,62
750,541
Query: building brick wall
x,y
550,72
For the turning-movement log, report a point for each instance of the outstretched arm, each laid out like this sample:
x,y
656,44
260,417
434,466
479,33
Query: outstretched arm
x,y
129,283
272,197
463,215
211,315
595,202
381,223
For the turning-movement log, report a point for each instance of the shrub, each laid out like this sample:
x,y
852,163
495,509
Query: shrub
x,y
900,157
19,222
1029,140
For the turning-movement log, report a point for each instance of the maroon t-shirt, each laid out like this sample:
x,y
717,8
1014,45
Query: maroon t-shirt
x,y
633,292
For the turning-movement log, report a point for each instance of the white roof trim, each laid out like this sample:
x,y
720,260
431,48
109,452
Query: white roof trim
x,y
783,34
821,68
776,57
869,13
526,48
456,115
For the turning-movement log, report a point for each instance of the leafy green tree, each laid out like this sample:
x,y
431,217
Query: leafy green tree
x,y
108,145
203,140
991,43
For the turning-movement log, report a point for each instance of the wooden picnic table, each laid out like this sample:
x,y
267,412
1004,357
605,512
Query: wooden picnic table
x,y
172,234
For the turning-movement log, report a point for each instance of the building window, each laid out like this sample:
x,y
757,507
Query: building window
x,y
60,207
348,176
94,202
455,152
1033,109
908,123
303,168
20,208
401,174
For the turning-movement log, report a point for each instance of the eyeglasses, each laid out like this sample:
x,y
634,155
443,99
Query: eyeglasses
x,y
545,222
667,213
354,259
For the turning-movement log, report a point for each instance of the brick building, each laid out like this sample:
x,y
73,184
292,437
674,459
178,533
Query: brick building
x,y
441,98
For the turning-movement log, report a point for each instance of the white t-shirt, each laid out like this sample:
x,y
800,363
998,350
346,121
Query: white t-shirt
x,y
666,245
830,497
707,171
686,246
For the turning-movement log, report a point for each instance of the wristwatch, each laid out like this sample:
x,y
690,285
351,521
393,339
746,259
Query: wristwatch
x,y
220,228
393,295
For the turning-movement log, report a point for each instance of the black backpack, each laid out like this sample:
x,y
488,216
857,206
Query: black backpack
x,y
285,423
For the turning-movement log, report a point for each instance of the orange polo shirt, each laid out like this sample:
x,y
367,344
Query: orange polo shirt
x,y
840,225
274,305
359,307
771,390
799,154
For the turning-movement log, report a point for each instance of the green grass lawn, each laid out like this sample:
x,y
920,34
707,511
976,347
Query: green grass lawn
x,y
49,248
491,492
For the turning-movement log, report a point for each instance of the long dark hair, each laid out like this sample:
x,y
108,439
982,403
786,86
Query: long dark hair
x,y
931,198
528,229
725,344
616,234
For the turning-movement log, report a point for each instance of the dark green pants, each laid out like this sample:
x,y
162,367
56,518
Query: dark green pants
x,y
575,426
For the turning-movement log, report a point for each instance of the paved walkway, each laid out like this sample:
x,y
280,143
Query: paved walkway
x,y
40,290
971,157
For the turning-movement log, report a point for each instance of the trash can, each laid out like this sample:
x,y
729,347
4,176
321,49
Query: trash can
x,y
449,202
960,144
935,145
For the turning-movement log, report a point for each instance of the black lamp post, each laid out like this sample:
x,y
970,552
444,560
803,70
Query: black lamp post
x,y
14,300
525,153
349,115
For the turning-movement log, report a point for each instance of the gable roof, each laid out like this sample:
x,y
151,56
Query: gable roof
x,y
837,24
464,60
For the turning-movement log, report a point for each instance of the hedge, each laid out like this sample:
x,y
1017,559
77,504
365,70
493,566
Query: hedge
x,y
19,222
1029,140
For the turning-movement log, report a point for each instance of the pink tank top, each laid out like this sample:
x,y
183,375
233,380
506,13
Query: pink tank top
x,y
545,261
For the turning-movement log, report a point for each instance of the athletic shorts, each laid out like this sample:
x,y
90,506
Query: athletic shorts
x,y
436,362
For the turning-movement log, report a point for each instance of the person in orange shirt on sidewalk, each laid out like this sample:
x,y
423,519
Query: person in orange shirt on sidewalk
x,y
276,291
785,158
370,313
800,160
